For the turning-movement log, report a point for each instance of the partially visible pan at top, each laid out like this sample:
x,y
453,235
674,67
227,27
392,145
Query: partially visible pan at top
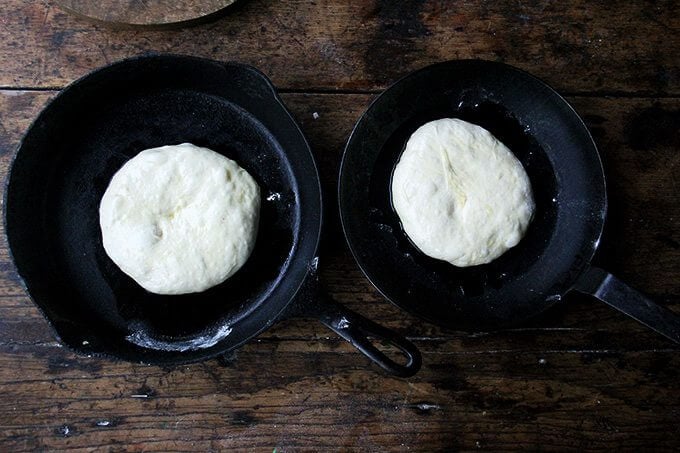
x,y
564,167
148,14
65,162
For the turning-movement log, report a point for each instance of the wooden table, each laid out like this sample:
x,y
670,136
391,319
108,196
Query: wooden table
x,y
581,377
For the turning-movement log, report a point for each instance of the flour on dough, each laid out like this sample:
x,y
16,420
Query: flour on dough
x,y
461,195
180,219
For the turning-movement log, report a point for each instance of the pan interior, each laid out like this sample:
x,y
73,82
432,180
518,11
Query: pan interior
x,y
63,168
554,148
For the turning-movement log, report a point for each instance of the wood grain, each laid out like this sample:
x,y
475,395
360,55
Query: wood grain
x,y
578,46
582,377
310,396
146,12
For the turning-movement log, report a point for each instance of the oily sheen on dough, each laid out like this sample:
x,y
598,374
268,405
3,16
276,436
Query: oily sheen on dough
x,y
461,195
180,219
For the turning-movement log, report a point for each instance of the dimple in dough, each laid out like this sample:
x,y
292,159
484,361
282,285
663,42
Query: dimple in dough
x,y
180,219
461,195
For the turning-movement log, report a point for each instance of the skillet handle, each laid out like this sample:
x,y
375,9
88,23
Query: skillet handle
x,y
356,330
612,291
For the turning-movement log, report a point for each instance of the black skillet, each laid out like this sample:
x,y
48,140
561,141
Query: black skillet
x,y
559,154
65,162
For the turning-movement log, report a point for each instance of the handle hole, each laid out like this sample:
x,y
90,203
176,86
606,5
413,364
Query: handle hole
x,y
390,350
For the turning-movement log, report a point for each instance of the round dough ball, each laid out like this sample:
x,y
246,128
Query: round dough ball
x,y
461,195
180,219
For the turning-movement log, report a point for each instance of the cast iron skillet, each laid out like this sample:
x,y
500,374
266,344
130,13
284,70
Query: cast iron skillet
x,y
66,161
559,154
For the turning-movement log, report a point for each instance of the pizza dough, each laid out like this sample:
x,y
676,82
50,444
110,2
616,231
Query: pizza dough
x,y
461,195
180,219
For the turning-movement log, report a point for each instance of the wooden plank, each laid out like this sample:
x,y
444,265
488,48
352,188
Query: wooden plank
x,y
302,396
581,377
578,46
